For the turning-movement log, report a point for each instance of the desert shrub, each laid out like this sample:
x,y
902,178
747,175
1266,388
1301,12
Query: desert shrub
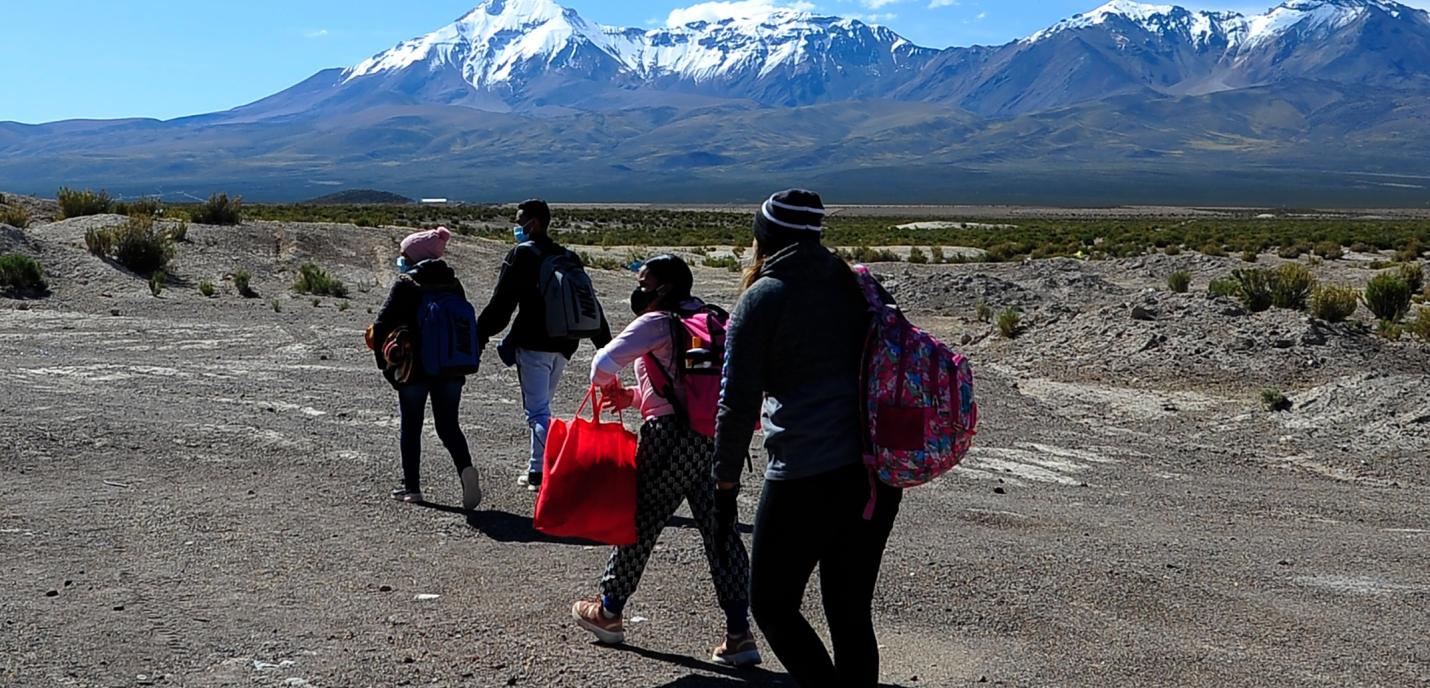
x,y
317,302
21,273
344,306
1390,330
917,256
1173,250
1294,251
1387,296
142,206
315,280
14,215
1291,286
1180,281
136,245
602,262
1273,400
1411,251
1329,250
1362,247
1009,323
1253,287
1420,326
730,263
1225,286
277,306
1250,255
1413,275
937,256
241,280
76,203
206,288
157,281
983,311
864,254
218,210
1214,249
178,232
1334,302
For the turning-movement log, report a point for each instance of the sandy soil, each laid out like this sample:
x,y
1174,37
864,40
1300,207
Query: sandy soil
x,y
195,494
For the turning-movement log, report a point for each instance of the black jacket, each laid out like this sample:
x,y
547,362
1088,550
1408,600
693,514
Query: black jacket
x,y
400,310
794,355
518,291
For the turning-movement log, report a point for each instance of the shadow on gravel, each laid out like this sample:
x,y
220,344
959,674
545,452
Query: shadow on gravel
x,y
504,527
753,676
683,522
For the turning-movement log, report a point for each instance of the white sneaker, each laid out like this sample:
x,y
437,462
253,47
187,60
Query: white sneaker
x,y
530,481
471,489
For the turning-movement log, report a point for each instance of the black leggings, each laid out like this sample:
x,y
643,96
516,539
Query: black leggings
x,y
820,520
446,401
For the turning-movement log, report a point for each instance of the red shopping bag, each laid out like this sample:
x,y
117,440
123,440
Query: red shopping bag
x,y
588,490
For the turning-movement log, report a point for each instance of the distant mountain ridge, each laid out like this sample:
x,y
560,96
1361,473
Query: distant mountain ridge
x,y
1311,97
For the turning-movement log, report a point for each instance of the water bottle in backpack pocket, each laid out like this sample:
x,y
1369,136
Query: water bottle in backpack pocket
x,y
448,325
692,385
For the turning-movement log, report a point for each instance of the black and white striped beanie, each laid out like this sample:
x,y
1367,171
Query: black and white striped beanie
x,y
789,216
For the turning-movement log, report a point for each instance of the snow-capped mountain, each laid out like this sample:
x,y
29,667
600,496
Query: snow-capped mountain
x,y
529,52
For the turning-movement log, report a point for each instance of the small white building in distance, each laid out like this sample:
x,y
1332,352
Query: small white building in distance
x,y
434,201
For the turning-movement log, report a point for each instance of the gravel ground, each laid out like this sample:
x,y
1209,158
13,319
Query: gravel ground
x,y
194,493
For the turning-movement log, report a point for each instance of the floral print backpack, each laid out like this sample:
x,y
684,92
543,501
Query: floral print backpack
x,y
919,394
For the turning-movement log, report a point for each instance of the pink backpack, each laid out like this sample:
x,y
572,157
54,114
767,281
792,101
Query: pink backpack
x,y
693,386
919,394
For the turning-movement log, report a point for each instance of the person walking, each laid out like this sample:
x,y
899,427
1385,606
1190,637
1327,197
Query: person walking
x,y
672,461
793,360
422,271
546,287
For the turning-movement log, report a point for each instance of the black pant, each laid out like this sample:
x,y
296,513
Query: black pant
x,y
820,520
446,401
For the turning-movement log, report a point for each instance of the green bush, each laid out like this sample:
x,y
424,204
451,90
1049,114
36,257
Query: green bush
x,y
143,206
21,273
1225,286
157,281
1420,326
1387,296
917,256
1411,251
1173,250
1293,251
1214,249
136,245
1329,250
316,281
1413,275
206,288
1334,302
343,306
218,210
730,263
1250,255
14,215
277,306
1253,287
1009,323
74,203
937,255
1273,400
1291,286
178,232
1180,281
983,311
241,280
1392,331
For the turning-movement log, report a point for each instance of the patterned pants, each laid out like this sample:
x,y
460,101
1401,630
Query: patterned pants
x,y
672,465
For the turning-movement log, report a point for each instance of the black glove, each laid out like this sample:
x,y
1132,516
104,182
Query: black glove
x,y
727,512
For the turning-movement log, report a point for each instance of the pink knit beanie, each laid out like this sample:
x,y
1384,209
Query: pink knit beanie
x,y
426,245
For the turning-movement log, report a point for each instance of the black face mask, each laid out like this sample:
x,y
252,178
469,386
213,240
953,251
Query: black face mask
x,y
642,300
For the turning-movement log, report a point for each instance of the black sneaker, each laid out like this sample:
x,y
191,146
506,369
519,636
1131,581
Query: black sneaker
x,y
405,495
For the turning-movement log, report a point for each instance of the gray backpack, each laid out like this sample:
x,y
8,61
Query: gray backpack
x,y
572,310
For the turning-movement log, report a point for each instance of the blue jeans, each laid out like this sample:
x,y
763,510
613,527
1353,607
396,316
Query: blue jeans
x,y
412,403
540,374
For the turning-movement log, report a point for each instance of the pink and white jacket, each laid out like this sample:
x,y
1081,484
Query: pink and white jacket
x,y
648,334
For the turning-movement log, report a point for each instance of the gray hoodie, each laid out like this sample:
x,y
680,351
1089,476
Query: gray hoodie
x,y
796,338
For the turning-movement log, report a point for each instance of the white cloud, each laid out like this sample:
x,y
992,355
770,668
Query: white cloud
x,y
942,3
320,33
876,4
981,16
732,9
872,18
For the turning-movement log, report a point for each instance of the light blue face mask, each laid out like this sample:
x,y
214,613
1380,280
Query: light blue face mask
x,y
403,265
520,233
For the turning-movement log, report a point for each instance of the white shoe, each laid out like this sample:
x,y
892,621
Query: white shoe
x,y
471,489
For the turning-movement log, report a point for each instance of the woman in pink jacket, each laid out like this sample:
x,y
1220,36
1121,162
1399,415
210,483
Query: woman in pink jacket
x,y
673,465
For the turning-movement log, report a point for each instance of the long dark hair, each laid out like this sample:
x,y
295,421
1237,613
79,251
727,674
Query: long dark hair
x,y
674,276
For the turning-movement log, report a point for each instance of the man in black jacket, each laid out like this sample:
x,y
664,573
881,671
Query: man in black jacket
x,y
539,357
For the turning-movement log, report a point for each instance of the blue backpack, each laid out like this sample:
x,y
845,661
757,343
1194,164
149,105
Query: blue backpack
x,y
448,326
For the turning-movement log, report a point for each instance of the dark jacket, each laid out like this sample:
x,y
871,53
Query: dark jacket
x,y
797,339
518,291
400,310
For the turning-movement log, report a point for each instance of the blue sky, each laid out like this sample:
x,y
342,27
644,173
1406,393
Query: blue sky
x,y
67,59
